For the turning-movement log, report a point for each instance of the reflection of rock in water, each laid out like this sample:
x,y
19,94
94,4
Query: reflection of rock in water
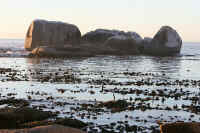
x,y
51,70
33,60
166,65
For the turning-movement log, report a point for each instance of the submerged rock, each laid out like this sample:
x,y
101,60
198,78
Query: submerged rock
x,y
11,118
14,102
51,33
166,42
180,127
45,129
71,123
115,106
74,123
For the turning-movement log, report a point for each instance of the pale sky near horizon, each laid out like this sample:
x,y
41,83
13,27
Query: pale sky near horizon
x,y
142,16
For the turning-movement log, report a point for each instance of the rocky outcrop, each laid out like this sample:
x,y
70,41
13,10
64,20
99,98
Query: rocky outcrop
x,y
123,44
45,129
180,127
58,39
166,42
51,33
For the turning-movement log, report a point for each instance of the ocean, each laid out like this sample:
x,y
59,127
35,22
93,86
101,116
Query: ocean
x,y
157,88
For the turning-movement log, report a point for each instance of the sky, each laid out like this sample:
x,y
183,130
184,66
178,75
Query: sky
x,y
142,16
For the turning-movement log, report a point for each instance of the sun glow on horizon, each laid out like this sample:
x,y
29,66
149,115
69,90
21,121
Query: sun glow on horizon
x,y
143,17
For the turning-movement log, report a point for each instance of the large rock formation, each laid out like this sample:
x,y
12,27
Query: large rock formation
x,y
52,34
123,44
166,42
49,38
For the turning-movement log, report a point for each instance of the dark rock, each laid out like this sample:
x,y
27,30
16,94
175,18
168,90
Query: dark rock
x,y
45,129
11,118
147,40
144,44
112,42
101,35
166,42
14,102
71,123
57,39
115,104
180,127
123,44
52,34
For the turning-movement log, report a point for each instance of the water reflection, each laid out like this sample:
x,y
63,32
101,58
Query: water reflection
x,y
169,66
50,68
33,60
144,64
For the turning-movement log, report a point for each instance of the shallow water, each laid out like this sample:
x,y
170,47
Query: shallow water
x,y
30,71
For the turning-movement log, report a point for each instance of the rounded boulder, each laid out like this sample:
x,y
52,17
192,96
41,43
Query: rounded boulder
x,y
52,34
166,42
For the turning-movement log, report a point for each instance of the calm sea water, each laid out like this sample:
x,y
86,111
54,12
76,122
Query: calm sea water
x,y
183,67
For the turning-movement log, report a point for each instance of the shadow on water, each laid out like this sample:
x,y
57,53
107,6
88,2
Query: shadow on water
x,y
145,64
43,67
133,63
167,65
